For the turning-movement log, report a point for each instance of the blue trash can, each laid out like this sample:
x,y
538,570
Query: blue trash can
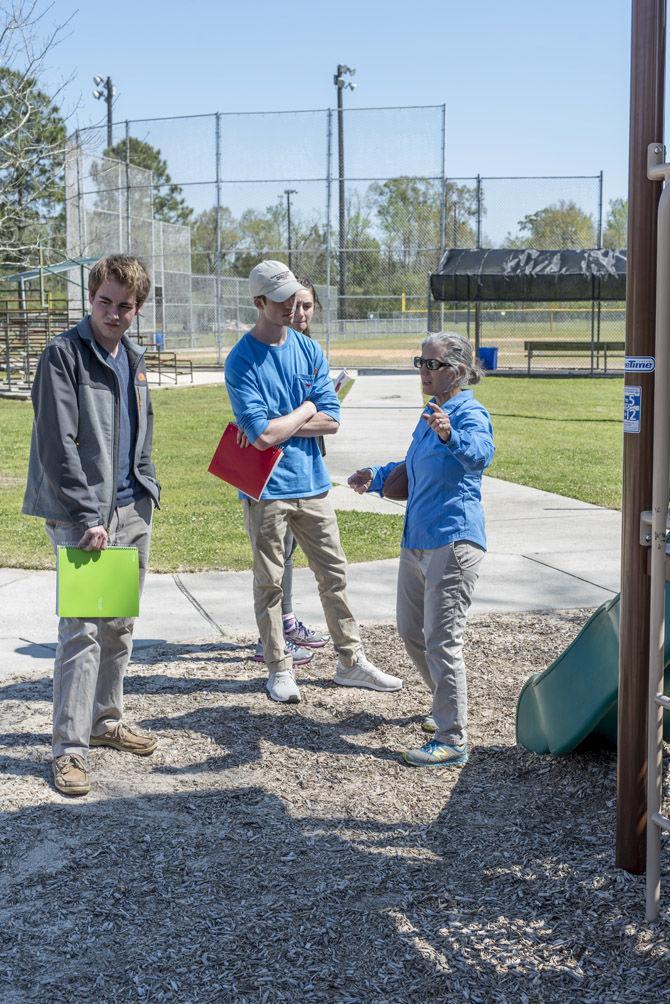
x,y
159,339
488,357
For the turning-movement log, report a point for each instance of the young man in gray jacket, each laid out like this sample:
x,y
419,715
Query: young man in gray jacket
x,y
91,477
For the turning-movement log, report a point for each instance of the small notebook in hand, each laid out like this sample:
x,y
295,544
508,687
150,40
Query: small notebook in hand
x,y
98,583
244,468
343,383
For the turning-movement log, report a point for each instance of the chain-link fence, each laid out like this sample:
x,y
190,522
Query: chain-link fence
x,y
202,199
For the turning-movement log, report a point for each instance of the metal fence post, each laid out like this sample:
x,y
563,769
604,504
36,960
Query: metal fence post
x,y
443,202
217,308
478,306
80,199
342,240
429,309
327,236
121,244
600,210
128,235
8,356
479,210
154,224
237,310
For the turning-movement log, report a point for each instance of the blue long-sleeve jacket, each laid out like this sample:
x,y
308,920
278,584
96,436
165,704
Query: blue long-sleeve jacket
x,y
445,479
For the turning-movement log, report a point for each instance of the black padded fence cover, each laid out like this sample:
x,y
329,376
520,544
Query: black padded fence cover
x,y
503,274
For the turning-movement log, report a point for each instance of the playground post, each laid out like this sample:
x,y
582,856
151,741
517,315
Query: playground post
x,y
646,126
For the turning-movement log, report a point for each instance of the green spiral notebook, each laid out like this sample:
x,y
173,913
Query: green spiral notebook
x,y
98,583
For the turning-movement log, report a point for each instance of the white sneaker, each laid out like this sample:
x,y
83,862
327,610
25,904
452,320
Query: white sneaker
x,y
282,687
364,674
300,656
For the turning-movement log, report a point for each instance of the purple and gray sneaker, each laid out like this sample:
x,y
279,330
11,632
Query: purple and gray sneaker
x,y
306,637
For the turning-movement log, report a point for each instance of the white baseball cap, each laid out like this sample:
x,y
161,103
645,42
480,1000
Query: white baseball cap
x,y
274,280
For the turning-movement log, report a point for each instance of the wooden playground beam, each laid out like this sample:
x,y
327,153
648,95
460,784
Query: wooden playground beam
x,y
646,126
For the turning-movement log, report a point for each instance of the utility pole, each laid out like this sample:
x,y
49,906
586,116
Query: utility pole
x,y
646,126
288,192
104,89
340,84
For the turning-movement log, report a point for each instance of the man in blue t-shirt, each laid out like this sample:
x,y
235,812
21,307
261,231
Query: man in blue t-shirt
x,y
282,395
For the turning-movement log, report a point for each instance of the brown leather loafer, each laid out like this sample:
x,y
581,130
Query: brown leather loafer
x,y
127,740
70,774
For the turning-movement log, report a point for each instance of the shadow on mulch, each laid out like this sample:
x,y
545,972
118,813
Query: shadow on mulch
x,y
227,896
246,730
268,854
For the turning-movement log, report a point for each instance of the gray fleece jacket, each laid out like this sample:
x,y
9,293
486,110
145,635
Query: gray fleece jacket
x,y
72,472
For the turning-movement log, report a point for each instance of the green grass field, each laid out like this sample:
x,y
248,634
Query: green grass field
x,y
562,436
200,521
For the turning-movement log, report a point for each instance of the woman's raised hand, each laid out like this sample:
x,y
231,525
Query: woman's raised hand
x,y
438,421
360,480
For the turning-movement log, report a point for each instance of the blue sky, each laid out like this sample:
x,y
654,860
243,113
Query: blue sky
x,y
530,87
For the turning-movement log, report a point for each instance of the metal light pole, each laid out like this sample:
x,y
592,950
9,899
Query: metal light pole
x,y
340,84
105,90
288,192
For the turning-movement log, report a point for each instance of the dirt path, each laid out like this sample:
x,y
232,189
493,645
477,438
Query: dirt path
x,y
275,854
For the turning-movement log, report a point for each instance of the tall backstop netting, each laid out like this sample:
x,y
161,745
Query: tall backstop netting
x,y
203,198
109,207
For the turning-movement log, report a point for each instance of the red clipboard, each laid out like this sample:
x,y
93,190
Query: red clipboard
x,y
247,469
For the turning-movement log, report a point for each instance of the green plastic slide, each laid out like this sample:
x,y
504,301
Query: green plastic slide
x,y
576,698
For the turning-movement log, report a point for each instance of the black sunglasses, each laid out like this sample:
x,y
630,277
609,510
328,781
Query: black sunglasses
x,y
430,364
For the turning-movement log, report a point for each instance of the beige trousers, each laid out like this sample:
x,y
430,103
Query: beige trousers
x,y
313,523
435,590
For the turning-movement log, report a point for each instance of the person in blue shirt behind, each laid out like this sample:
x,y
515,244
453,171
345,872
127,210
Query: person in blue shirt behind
x,y
444,538
281,395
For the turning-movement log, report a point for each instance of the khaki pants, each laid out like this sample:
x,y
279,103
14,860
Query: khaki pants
x,y
435,590
92,655
313,524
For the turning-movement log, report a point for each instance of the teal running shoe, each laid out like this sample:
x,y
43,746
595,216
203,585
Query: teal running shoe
x,y
434,754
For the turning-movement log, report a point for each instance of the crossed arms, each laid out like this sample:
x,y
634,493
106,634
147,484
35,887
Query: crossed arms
x,y
304,420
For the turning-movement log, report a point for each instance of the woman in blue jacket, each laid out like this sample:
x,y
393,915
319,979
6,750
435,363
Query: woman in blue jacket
x,y
444,539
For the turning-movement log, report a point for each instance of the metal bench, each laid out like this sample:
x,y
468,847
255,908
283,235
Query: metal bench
x,y
21,344
167,363
594,349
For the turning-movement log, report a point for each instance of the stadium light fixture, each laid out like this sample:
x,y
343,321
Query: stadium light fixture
x,y
105,89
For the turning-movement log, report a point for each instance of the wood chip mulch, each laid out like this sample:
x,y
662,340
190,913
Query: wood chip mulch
x,y
267,853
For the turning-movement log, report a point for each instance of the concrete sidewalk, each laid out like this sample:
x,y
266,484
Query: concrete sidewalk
x,y
545,552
